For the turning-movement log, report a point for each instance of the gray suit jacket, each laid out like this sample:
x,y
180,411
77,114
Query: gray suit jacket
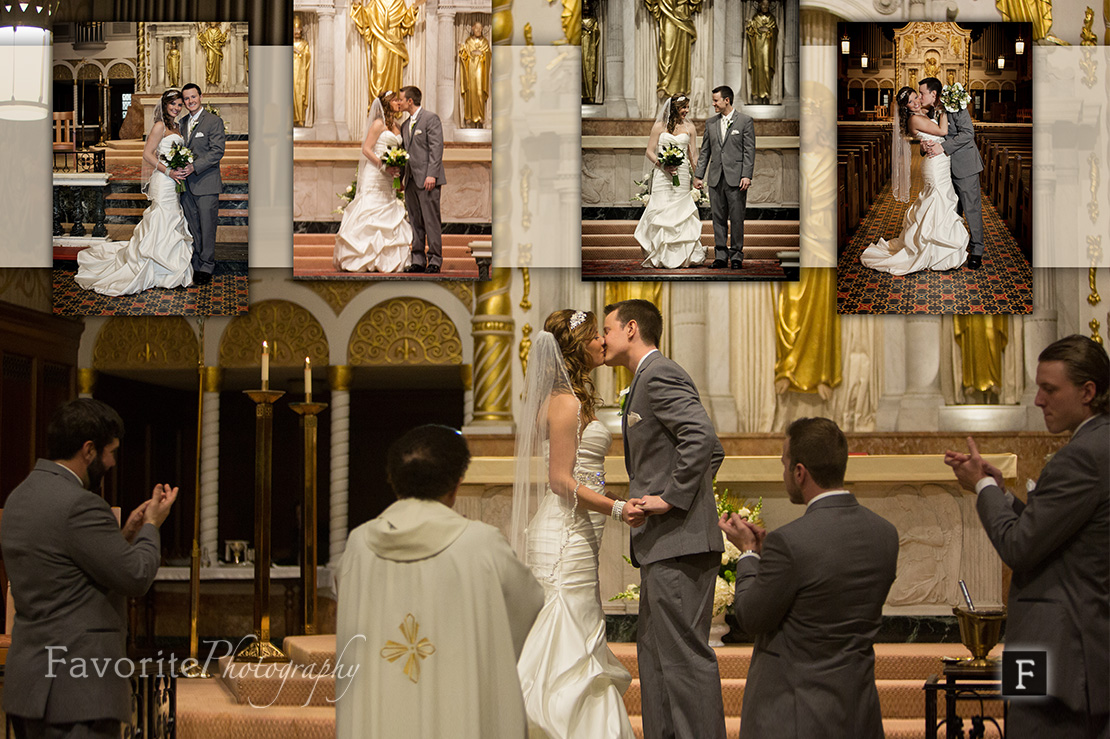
x,y
1058,545
70,571
425,147
960,146
814,603
207,143
733,156
671,449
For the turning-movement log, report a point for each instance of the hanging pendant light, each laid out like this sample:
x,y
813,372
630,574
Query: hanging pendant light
x,y
1001,62
863,60
845,44
25,57
1019,46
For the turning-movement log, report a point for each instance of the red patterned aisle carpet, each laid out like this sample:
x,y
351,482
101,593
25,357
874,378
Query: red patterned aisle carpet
x,y
1004,283
226,295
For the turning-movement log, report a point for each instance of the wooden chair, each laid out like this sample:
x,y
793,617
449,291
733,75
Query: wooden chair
x,y
65,137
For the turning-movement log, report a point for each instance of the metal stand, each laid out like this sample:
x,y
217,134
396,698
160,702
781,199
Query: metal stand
x,y
308,412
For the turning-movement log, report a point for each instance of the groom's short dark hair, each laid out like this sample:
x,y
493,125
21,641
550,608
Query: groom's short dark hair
x,y
647,317
192,86
412,92
820,446
932,83
725,92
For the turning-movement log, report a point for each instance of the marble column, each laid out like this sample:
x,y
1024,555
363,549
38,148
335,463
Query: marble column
x,y
791,62
210,464
688,335
818,139
919,410
86,382
493,328
717,349
339,380
1040,331
735,72
324,77
616,85
443,79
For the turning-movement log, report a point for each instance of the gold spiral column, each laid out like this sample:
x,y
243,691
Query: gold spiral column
x,y
502,22
492,328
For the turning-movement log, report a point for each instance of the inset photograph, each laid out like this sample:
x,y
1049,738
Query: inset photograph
x,y
392,142
690,166
150,168
934,168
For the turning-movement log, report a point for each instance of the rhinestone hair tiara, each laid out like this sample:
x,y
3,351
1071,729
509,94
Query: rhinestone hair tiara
x,y
577,319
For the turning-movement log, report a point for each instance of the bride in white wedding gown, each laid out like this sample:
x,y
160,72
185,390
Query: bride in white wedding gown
x,y
375,235
572,683
669,231
160,251
933,233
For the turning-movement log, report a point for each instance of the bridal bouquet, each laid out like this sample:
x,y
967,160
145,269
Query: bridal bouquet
x,y
672,156
347,195
177,157
396,157
954,98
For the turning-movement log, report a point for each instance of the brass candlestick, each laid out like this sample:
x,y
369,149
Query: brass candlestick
x,y
196,670
262,650
308,412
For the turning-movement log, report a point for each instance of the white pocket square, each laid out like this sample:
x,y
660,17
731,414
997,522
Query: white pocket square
x,y
198,135
735,133
633,419
418,132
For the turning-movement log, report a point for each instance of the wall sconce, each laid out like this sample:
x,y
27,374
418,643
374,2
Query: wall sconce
x,y
845,44
863,60
1001,62
1019,46
25,56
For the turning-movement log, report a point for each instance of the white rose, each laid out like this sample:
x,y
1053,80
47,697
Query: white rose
x,y
744,513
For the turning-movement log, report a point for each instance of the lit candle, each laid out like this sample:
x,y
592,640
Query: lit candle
x,y
265,366
307,380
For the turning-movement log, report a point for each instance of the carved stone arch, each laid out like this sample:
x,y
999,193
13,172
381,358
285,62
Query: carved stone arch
x,y
145,342
90,71
404,331
993,85
121,71
977,85
870,84
292,332
886,84
63,73
855,82
1009,85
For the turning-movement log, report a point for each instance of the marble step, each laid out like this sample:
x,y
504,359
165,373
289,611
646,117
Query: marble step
x,y
750,227
137,213
207,709
323,267
896,728
289,684
225,234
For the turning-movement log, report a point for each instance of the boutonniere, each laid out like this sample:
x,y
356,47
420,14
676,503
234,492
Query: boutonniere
x,y
622,399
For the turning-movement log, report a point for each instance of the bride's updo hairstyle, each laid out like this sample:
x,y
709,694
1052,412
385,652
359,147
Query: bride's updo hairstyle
x,y
678,102
903,101
385,99
572,343
168,97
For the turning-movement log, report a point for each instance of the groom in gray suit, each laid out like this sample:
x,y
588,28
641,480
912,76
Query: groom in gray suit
x,y
812,595
728,154
1058,545
422,136
966,165
671,452
204,135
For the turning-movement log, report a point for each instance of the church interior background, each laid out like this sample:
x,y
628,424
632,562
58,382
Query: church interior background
x,y
386,356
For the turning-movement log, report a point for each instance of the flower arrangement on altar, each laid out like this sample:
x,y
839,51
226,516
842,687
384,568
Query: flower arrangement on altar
x,y
347,195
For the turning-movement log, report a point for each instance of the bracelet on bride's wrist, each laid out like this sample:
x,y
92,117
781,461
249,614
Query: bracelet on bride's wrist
x,y
618,509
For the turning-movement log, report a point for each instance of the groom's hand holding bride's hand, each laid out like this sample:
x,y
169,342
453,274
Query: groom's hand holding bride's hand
x,y
632,514
651,504
697,183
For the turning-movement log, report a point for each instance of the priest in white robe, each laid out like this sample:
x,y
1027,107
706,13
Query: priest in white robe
x,y
433,609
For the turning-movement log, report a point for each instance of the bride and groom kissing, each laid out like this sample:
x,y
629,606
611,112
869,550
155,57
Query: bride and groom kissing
x,y
174,245
669,231
933,233
378,233
572,683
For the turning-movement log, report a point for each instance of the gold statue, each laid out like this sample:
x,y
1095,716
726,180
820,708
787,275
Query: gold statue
x,y
674,26
1087,36
807,335
591,41
762,39
932,67
474,63
383,25
173,64
1037,12
571,21
302,72
981,340
212,40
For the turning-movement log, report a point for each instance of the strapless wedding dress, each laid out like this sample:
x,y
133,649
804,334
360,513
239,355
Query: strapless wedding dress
x,y
933,234
160,252
669,231
572,683
375,235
